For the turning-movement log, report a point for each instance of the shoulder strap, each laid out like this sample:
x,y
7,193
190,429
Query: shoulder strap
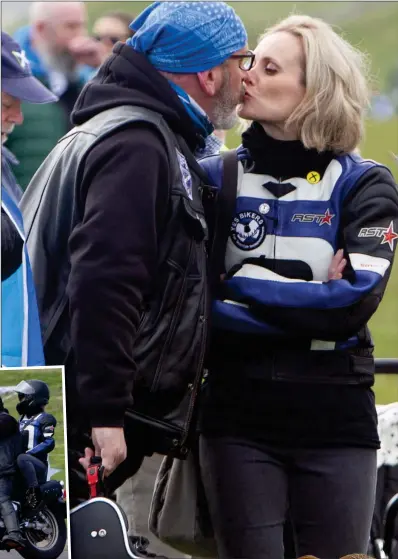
x,y
226,202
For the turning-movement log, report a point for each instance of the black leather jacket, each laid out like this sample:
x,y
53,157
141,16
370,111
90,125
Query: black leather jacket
x,y
171,338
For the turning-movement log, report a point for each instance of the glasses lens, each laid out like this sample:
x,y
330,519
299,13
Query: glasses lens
x,y
246,63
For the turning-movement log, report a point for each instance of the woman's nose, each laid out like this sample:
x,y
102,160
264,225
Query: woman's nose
x,y
248,78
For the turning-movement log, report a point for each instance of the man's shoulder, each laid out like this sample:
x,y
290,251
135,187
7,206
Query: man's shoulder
x,y
135,138
8,421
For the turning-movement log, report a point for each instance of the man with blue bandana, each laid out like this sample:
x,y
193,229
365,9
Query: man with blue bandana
x,y
122,192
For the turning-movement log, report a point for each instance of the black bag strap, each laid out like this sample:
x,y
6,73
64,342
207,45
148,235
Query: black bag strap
x,y
226,203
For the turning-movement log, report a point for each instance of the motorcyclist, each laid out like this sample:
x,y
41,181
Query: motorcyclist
x,y
10,447
37,428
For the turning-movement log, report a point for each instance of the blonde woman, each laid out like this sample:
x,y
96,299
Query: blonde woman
x,y
289,421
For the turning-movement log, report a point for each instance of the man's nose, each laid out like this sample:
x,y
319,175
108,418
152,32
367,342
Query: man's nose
x,y
16,115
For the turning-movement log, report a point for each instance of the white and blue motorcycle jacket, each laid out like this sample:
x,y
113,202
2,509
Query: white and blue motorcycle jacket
x,y
282,240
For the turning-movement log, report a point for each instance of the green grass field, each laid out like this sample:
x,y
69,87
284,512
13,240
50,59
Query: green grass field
x,y
53,378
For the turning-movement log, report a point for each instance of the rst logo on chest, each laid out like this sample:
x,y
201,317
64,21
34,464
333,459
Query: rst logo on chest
x,y
320,219
248,230
387,233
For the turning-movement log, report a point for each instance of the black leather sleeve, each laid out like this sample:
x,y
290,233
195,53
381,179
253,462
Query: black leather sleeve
x,y
113,254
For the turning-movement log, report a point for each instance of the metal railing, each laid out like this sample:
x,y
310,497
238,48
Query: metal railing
x,y
386,366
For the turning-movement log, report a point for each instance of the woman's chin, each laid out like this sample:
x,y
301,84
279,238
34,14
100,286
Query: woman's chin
x,y
243,111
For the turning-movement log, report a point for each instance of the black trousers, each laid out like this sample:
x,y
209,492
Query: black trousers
x,y
33,470
252,488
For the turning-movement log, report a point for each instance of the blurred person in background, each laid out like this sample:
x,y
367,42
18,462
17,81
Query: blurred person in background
x,y
21,343
185,64
111,28
289,424
62,57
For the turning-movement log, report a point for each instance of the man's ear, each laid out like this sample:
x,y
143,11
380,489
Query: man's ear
x,y
208,81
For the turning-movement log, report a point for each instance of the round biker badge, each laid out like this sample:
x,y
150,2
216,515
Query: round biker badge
x,y
248,230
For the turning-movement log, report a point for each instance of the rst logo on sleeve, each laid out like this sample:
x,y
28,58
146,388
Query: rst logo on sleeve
x,y
388,234
320,219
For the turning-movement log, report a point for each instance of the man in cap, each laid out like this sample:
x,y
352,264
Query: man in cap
x,y
21,339
123,188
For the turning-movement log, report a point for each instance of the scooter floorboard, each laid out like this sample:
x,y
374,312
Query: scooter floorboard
x,y
98,530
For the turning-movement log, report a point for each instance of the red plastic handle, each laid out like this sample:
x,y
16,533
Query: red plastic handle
x,y
93,479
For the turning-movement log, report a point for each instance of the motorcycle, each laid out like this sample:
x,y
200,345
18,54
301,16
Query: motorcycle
x,y
45,532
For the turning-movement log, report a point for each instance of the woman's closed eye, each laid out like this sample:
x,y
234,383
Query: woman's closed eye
x,y
270,69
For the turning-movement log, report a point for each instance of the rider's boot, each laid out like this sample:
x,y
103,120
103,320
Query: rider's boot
x,y
34,499
14,538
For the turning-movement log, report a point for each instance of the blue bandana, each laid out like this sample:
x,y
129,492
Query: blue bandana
x,y
187,37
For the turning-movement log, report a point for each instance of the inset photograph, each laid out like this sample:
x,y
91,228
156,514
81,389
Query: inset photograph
x,y
33,504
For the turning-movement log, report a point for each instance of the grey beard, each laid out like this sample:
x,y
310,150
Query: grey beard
x,y
224,118
224,115
60,62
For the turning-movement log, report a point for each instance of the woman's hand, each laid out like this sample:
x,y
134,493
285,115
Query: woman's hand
x,y
337,266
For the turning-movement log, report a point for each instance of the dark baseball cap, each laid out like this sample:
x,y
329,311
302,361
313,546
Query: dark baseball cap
x,y
16,75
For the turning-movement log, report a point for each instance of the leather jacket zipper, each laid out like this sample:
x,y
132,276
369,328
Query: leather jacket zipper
x,y
173,323
198,379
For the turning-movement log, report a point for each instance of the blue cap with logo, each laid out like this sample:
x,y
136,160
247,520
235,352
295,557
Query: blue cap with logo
x,y
16,75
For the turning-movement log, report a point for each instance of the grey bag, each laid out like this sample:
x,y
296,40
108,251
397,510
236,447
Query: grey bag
x,y
179,515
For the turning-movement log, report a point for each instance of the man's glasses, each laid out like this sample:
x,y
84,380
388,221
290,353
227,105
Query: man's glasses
x,y
246,60
113,40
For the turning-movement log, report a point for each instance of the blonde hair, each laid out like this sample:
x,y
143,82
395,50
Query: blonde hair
x,y
331,114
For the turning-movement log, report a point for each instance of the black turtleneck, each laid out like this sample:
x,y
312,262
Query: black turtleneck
x,y
280,158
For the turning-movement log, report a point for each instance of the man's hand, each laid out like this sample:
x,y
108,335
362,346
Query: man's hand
x,y
86,50
110,444
337,266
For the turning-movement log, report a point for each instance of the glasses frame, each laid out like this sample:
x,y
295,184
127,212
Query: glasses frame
x,y
113,40
249,54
